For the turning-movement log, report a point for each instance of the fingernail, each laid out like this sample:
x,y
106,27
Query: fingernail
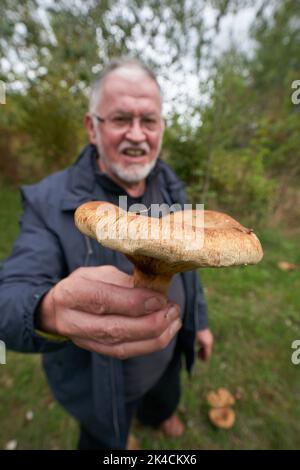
x,y
172,313
153,304
175,327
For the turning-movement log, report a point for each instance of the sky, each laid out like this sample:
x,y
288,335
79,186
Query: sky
x,y
234,29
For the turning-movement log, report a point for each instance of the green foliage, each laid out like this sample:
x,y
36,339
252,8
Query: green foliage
x,y
221,161
61,55
53,118
244,157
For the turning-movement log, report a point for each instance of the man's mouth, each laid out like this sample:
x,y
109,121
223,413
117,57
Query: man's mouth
x,y
131,152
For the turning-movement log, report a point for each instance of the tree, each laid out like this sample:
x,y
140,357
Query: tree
x,y
63,44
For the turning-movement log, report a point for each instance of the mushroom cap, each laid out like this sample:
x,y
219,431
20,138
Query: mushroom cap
x,y
222,397
222,417
179,241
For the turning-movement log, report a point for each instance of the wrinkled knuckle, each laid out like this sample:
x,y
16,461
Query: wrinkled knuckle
x,y
111,334
100,300
90,333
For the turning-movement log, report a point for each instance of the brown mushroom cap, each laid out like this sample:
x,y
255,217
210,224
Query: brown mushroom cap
x,y
180,241
222,417
221,398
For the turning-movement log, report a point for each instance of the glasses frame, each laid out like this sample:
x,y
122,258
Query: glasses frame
x,y
103,120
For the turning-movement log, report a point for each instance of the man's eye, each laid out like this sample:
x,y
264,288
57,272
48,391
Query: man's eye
x,y
151,123
121,119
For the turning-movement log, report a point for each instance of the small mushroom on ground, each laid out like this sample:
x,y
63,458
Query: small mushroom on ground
x,y
179,241
286,266
221,398
222,417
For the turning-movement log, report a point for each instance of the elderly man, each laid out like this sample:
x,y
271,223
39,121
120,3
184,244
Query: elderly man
x,y
109,350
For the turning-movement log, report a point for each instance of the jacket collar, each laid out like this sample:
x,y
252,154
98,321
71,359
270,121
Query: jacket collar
x,y
83,182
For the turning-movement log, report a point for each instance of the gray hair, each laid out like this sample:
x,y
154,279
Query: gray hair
x,y
114,64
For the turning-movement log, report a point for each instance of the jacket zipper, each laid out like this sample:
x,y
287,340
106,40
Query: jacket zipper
x,y
116,425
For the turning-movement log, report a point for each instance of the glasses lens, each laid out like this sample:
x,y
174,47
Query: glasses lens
x,y
121,122
124,122
152,124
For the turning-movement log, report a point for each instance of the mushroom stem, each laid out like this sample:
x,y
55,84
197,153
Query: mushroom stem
x,y
158,282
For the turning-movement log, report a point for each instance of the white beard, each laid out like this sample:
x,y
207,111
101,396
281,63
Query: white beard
x,y
133,173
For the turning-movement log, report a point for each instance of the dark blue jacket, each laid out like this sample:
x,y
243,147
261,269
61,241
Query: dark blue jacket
x,y
49,248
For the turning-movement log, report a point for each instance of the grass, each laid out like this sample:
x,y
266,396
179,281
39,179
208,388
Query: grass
x,y
254,314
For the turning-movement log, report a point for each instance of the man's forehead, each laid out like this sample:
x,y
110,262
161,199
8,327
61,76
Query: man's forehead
x,y
130,83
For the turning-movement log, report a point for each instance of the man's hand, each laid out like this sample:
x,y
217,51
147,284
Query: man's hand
x,y
100,310
205,340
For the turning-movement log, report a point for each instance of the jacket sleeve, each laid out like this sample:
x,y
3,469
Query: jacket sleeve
x,y
35,265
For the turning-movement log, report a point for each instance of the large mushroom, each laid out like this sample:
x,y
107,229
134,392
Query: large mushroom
x,y
179,241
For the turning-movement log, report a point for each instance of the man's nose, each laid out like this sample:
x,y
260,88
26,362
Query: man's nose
x,y
135,132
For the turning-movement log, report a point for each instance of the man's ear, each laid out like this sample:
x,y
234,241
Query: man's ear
x,y
89,125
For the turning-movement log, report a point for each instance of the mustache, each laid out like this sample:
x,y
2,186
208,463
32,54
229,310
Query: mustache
x,y
128,145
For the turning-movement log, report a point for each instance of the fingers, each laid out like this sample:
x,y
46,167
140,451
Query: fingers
x,y
116,329
109,274
206,352
97,313
203,354
206,341
131,349
100,298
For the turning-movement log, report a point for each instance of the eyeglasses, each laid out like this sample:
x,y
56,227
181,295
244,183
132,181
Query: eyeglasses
x,y
123,122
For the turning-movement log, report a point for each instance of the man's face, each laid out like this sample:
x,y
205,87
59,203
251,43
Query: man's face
x,y
129,140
